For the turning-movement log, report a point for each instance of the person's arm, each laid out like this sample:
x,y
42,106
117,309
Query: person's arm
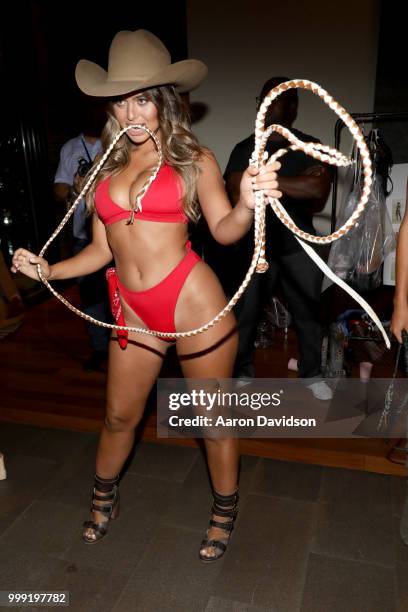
x,y
227,224
66,179
64,175
62,192
91,259
67,193
399,321
312,184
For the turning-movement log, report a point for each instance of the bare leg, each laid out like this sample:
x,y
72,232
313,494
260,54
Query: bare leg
x,y
210,355
132,373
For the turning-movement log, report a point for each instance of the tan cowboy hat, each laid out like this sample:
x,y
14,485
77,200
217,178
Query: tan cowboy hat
x,y
137,60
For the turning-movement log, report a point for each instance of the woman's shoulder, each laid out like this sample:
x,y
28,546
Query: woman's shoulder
x,y
206,159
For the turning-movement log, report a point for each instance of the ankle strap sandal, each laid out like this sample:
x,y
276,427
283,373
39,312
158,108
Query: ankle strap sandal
x,y
105,499
224,506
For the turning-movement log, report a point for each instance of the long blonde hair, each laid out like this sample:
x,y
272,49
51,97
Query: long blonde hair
x,y
179,146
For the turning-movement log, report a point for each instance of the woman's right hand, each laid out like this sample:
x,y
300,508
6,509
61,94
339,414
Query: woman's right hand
x,y
26,262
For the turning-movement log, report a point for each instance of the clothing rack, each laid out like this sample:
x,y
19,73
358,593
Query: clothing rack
x,y
359,118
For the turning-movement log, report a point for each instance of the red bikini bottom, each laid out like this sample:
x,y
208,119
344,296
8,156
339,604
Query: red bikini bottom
x,y
154,306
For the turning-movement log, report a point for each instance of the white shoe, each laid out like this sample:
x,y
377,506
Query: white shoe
x,y
243,382
3,474
293,364
321,390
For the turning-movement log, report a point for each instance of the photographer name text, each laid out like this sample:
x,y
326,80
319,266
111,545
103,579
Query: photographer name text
x,y
258,421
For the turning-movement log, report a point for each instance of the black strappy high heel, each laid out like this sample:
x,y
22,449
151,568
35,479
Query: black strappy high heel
x,y
106,492
223,506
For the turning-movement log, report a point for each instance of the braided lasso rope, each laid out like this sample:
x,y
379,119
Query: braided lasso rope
x,y
259,158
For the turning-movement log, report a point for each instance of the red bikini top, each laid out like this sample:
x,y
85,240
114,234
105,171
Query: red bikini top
x,y
162,201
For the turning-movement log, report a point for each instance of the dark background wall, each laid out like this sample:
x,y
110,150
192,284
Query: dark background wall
x,y
391,91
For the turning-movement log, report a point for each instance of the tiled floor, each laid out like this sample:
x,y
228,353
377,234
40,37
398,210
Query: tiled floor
x,y
307,538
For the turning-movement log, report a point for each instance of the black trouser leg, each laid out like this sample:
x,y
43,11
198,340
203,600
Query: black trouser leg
x,y
301,282
247,313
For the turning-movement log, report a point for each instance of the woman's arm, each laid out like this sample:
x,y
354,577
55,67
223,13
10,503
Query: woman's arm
x,y
92,258
227,224
399,320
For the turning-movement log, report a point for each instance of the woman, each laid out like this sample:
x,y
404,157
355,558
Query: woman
x,y
399,321
161,283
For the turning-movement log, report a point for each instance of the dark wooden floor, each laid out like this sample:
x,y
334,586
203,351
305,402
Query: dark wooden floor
x,y
307,538
43,384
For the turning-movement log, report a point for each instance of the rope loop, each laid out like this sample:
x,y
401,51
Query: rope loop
x,y
260,158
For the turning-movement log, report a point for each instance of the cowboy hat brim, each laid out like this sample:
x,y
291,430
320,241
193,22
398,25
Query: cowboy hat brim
x,y
93,80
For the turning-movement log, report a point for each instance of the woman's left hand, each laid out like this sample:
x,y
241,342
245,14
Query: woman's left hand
x,y
264,179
